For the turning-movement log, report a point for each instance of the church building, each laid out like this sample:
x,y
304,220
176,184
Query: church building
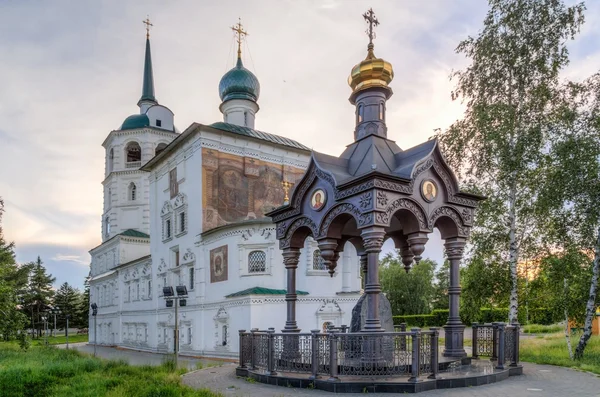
x,y
188,209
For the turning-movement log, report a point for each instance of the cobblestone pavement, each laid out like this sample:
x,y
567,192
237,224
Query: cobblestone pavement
x,y
134,357
536,381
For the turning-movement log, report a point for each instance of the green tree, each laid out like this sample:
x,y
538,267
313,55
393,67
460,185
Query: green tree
x,y
408,293
83,312
38,297
68,299
12,279
439,299
568,208
510,90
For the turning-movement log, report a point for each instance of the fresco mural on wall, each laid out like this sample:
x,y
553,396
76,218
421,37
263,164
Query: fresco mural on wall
x,y
218,264
237,188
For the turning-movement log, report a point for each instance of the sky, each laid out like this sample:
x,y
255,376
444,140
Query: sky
x,y
72,72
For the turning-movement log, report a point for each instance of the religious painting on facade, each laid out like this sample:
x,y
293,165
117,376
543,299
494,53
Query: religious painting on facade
x,y
429,190
218,264
173,185
237,188
317,200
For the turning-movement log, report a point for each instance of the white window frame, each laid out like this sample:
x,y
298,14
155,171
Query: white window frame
x,y
309,248
244,252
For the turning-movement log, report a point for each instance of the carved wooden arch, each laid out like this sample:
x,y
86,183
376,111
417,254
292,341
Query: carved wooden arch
x,y
337,210
447,212
298,223
405,203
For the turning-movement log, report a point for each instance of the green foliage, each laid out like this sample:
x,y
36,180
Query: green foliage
x,y
542,329
408,293
24,342
39,293
58,372
68,299
510,90
439,300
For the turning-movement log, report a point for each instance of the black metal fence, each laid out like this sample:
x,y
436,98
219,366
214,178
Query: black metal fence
x,y
337,353
499,341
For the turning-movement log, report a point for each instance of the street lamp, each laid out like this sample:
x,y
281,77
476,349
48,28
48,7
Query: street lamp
x,y
94,312
67,316
45,320
55,310
176,300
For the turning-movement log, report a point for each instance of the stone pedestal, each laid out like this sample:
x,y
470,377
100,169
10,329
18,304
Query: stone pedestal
x,y
359,314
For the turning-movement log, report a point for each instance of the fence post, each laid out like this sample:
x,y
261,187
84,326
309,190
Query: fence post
x,y
333,357
474,352
500,364
416,353
242,363
403,337
515,356
344,328
271,352
494,342
314,357
252,352
434,353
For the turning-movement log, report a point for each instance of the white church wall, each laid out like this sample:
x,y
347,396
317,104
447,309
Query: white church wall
x,y
162,115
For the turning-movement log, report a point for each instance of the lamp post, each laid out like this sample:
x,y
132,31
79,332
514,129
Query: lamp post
x,y
67,329
94,313
55,310
176,300
45,320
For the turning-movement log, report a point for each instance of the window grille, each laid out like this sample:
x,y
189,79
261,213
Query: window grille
x,y
168,228
318,263
191,278
132,191
182,222
257,262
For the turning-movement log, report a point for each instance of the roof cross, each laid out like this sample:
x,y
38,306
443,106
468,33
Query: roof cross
x,y
240,32
148,24
371,20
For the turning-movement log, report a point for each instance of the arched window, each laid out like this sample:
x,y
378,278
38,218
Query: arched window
x,y
111,159
159,148
359,114
381,111
224,335
134,152
132,191
318,263
107,226
257,262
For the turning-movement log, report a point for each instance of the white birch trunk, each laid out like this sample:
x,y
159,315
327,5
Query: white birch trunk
x,y
569,347
590,309
513,253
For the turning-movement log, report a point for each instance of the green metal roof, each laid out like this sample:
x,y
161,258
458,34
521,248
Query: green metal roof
x,y
134,233
135,121
238,129
239,83
148,82
262,291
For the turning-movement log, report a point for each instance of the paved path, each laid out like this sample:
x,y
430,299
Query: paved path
x,y
134,357
536,381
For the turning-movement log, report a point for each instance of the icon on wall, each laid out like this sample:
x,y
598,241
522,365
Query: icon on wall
x,y
429,190
218,264
317,200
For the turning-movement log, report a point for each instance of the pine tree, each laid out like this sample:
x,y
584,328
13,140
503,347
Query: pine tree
x,y
68,300
38,298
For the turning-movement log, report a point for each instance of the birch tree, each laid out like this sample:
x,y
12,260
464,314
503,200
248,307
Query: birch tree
x,y
509,91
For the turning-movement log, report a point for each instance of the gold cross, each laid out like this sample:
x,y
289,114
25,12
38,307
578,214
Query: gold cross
x,y
148,24
371,20
286,189
240,32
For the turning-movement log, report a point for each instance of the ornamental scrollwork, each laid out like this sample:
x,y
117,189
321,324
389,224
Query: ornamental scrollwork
x,y
452,214
298,196
382,198
295,225
325,176
189,256
345,208
365,200
420,169
354,190
408,204
393,186
373,243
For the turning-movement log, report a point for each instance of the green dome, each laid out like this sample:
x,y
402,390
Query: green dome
x,y
135,121
239,83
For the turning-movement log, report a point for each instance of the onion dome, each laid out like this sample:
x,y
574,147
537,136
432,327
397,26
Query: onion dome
x,y
135,121
239,83
372,72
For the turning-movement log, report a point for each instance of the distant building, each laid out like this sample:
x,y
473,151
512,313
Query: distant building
x,y
188,209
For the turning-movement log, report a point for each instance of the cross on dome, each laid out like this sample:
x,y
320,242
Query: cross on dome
x,y
371,19
240,33
148,25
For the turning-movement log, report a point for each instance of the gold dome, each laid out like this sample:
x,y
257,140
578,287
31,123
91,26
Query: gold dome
x,y
372,72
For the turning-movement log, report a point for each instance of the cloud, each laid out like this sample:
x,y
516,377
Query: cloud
x,y
71,258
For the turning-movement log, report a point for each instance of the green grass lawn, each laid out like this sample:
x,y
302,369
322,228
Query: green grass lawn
x,y
552,349
48,371
61,339
542,329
